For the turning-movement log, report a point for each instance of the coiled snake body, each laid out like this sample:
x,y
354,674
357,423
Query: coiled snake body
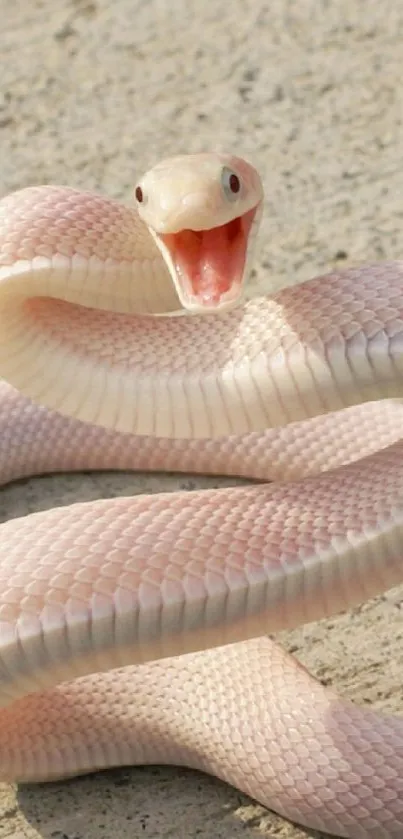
x,y
178,590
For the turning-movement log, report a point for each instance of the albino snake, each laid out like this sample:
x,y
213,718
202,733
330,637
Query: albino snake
x,y
285,388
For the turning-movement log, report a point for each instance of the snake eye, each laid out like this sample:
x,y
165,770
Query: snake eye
x,y
231,183
139,195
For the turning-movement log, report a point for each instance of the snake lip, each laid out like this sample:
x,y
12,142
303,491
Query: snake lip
x,y
209,266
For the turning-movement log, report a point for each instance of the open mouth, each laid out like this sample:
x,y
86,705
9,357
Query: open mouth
x,y
208,266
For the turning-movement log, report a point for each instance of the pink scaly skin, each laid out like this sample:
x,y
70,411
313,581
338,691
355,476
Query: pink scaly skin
x,y
176,590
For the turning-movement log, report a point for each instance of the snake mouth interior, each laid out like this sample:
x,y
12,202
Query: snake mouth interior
x,y
208,266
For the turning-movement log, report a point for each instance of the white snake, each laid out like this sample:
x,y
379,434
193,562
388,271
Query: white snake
x,y
282,388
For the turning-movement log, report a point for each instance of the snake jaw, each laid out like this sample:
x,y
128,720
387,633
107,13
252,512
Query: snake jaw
x,y
209,267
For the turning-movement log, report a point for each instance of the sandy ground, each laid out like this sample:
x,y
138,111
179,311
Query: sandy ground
x,y
92,92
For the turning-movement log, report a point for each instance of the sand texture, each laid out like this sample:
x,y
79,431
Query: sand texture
x,y
92,93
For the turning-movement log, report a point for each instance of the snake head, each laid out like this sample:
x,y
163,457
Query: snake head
x,y
203,212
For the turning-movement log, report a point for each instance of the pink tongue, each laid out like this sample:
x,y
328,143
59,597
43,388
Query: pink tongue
x,y
207,261
213,274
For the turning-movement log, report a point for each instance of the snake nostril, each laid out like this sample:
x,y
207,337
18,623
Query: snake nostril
x,y
139,194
